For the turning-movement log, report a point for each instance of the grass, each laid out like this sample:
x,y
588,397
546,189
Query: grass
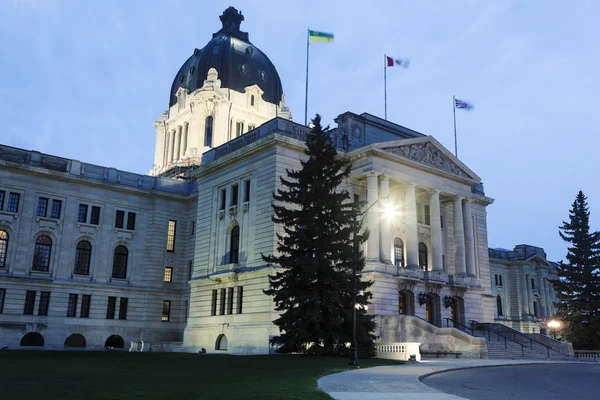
x,y
67,375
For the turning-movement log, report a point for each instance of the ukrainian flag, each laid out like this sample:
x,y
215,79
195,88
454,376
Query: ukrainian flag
x,y
314,36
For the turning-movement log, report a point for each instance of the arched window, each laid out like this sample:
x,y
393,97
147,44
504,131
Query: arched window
x,y
234,245
221,343
398,252
114,342
32,339
41,254
252,100
3,248
499,306
75,340
83,254
423,256
402,303
208,131
120,262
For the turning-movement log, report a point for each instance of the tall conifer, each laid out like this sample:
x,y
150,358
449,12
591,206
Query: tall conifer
x,y
312,289
578,286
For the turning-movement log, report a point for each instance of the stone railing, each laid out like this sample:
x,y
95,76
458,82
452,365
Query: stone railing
x,y
398,351
587,355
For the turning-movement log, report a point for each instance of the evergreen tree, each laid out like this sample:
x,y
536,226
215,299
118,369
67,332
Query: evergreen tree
x,y
578,286
313,288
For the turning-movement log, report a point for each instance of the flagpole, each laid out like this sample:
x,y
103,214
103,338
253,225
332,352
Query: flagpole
x,y
454,111
306,92
385,84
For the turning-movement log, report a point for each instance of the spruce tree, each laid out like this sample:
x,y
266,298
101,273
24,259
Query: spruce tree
x,y
578,286
312,288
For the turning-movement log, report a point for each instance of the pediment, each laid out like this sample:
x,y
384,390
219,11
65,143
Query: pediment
x,y
427,151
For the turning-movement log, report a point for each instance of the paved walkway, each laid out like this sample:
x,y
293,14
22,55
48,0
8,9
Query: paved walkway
x,y
401,381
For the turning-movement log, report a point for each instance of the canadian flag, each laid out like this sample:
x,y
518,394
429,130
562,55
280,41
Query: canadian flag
x,y
396,62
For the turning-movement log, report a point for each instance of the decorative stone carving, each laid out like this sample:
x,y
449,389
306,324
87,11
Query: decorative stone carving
x,y
424,237
434,288
404,284
233,211
221,214
428,154
246,207
457,291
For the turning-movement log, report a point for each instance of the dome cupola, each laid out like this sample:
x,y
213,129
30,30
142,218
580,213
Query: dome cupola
x,y
238,62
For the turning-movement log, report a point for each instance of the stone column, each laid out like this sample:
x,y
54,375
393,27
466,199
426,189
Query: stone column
x,y
385,226
177,144
436,231
459,238
543,307
549,303
469,238
171,145
372,217
524,295
184,139
166,149
412,237
529,294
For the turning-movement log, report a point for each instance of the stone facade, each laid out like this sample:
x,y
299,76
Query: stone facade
x,y
524,297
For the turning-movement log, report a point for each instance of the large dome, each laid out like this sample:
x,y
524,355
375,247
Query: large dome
x,y
238,62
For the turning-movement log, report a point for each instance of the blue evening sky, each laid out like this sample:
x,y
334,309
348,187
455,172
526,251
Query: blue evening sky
x,y
87,79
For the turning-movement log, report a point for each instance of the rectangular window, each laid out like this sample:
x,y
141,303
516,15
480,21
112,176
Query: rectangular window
x,y
234,195
222,308
119,219
251,127
239,129
213,304
123,308
56,207
186,310
29,302
42,207
223,197
2,193
166,315
44,303
240,296
171,235
2,296
72,306
230,300
500,278
419,213
190,269
13,202
533,284
95,217
82,213
427,214
193,228
86,299
110,310
168,274
442,221
246,191
131,221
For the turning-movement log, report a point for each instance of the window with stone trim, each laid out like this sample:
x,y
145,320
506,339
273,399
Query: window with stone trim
x,y
41,254
398,252
208,131
498,279
83,255
230,300
222,308
247,191
56,209
2,195
213,303
119,270
423,256
2,297
119,219
95,217
13,202
29,302
171,230
111,307
44,303
234,195
3,248
86,301
82,213
166,313
240,298
72,305
131,221
234,245
499,307
123,307
168,278
42,207
223,199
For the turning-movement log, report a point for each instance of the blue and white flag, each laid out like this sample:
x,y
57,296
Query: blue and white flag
x,y
462,104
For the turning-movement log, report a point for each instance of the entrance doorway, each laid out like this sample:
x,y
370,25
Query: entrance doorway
x,y
433,313
457,309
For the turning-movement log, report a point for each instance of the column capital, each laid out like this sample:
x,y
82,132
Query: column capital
x,y
372,174
468,200
384,177
458,199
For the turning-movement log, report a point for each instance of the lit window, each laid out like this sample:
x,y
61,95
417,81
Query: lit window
x,y
398,252
171,235
423,256
166,314
41,254
3,248
168,274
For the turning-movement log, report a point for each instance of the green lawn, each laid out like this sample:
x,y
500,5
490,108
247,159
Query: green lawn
x,y
67,375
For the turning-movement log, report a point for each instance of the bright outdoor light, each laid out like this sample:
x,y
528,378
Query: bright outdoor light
x,y
389,211
553,324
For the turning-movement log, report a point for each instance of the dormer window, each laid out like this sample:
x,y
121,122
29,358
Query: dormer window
x,y
208,131
252,100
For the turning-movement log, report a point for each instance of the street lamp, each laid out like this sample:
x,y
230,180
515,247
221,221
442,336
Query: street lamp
x,y
388,212
553,325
